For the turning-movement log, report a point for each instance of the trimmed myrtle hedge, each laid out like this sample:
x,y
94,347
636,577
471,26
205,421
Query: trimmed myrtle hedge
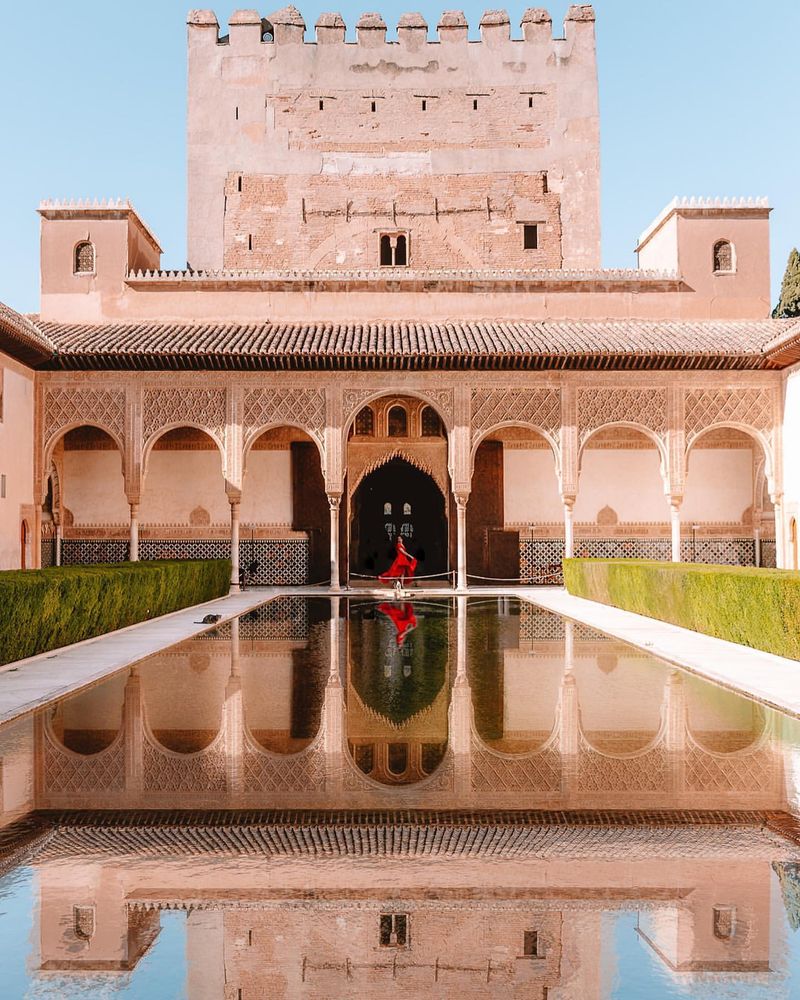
x,y
754,607
48,608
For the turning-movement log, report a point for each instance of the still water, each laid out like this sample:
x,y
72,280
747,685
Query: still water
x,y
352,798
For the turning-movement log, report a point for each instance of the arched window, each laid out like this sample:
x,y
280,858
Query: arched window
x,y
365,422
431,423
394,250
398,422
724,262
387,509
406,509
84,258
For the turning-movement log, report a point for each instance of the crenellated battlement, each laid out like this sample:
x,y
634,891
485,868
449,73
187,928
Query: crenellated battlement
x,y
287,26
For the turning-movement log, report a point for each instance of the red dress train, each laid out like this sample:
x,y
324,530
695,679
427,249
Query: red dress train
x,y
403,566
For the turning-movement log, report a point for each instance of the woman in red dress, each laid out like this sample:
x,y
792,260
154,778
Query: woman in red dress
x,y
403,566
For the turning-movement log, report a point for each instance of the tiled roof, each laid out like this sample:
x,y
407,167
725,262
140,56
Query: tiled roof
x,y
22,339
487,344
413,834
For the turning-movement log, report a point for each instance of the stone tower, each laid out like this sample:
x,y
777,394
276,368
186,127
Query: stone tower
x,y
336,155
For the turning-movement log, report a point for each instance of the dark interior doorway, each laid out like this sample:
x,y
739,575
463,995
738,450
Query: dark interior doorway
x,y
398,499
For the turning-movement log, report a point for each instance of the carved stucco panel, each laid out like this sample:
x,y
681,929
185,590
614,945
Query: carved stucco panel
x,y
600,406
295,406
752,407
540,407
70,405
205,408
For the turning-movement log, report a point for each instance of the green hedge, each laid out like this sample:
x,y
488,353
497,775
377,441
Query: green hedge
x,y
48,608
754,607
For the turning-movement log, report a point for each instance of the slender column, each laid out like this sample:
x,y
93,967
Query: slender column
x,y
134,533
334,503
461,539
675,525
757,543
569,717
334,709
234,718
460,721
780,554
58,542
134,738
234,544
569,536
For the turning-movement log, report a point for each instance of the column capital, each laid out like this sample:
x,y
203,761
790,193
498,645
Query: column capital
x,y
234,497
461,498
334,500
568,499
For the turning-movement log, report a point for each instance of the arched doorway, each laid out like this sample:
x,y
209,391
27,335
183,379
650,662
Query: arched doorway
x,y
398,499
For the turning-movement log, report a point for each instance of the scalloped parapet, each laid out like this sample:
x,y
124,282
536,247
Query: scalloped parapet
x,y
689,204
289,26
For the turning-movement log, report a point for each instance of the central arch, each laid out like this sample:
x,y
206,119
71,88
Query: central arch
x,y
398,499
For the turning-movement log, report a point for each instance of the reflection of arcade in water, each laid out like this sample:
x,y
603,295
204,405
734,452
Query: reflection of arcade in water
x,y
406,706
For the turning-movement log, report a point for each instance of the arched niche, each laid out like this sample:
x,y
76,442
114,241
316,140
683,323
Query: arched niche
x,y
183,477
90,722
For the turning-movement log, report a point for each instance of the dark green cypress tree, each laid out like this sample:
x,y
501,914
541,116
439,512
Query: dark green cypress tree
x,y
789,303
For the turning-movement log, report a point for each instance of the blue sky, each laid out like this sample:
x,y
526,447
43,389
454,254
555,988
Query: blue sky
x,y
696,99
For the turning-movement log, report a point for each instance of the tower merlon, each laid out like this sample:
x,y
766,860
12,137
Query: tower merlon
x,y
495,27
371,30
330,28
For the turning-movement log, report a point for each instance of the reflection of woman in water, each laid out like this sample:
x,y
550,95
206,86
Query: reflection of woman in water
x,y
403,619
403,566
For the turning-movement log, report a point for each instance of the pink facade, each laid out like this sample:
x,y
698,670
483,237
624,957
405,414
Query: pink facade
x,y
406,224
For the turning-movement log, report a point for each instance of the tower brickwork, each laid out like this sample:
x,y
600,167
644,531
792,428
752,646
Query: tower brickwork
x,y
451,153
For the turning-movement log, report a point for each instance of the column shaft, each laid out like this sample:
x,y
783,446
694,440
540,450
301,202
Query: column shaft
x,y
569,538
235,545
334,503
461,541
133,554
675,525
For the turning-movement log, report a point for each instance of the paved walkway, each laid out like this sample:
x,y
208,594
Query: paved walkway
x,y
28,684
772,680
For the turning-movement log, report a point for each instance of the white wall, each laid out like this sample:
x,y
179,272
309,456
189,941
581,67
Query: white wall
x,y
531,691
719,484
267,690
530,487
176,482
267,490
16,457
93,487
627,480
186,689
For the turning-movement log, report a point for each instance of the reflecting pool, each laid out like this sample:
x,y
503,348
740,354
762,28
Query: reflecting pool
x,y
357,798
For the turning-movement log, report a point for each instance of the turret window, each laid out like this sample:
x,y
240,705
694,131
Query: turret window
x,y
398,422
724,257
365,422
84,258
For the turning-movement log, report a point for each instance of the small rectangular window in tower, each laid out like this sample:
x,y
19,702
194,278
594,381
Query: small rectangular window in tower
x,y
239,183
236,112
475,104
530,236
374,106
394,930
249,241
3,486
532,945
321,104
424,105
530,102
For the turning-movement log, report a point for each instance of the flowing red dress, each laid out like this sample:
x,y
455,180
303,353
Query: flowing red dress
x,y
403,566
